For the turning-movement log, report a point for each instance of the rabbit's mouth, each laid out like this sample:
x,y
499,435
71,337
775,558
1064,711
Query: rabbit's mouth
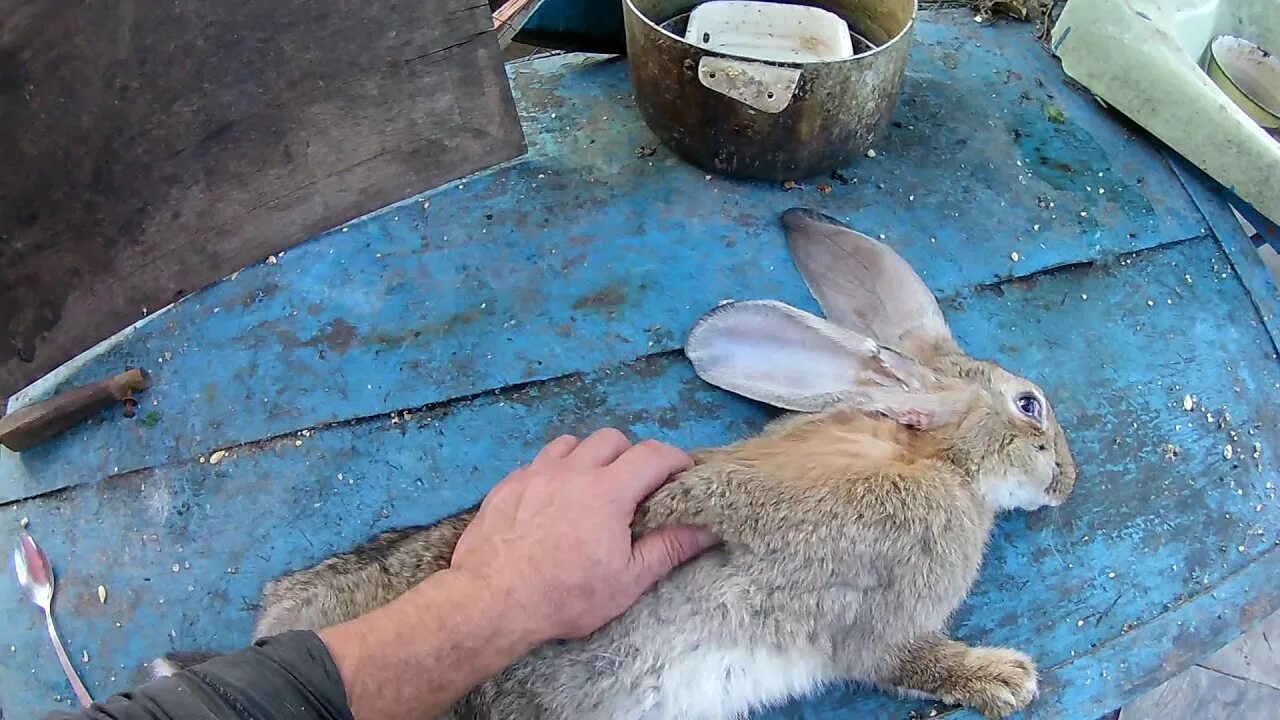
x,y
1004,489
1064,478
1059,489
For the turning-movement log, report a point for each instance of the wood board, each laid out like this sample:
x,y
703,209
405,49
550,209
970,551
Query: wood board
x,y
156,147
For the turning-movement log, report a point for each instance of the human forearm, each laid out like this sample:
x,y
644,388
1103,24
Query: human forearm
x,y
287,677
549,555
420,654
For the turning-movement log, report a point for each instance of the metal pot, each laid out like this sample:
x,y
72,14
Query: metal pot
x,y
752,118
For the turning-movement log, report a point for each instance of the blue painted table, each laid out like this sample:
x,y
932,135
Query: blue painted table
x,y
389,371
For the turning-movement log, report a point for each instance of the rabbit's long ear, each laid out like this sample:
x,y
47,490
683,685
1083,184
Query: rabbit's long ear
x,y
863,285
785,357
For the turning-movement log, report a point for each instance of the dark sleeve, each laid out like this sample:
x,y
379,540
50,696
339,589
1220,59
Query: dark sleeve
x,y
285,677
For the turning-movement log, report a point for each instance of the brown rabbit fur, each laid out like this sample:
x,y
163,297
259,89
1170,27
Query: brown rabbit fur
x,y
850,535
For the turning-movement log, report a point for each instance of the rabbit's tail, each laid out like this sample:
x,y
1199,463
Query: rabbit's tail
x,y
174,662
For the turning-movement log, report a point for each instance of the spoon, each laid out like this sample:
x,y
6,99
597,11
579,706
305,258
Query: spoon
x,y
36,577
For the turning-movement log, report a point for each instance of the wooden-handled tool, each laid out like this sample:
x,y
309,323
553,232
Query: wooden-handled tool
x,y
25,428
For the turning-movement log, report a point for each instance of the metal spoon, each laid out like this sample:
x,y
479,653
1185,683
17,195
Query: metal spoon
x,y
36,577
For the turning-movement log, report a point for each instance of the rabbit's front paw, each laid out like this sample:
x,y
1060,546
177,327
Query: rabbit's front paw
x,y
995,681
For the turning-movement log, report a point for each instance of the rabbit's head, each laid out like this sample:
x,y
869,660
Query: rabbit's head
x,y
885,349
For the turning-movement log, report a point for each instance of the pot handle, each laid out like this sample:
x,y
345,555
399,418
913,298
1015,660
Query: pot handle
x,y
768,88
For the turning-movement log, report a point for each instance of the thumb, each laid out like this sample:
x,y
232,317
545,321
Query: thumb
x,y
661,551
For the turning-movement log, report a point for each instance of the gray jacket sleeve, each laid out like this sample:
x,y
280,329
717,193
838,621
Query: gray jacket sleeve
x,y
286,677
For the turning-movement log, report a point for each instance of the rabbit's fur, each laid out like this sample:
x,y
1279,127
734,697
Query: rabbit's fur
x,y
850,535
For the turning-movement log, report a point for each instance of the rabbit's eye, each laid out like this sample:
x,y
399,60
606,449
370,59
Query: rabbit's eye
x,y
1030,406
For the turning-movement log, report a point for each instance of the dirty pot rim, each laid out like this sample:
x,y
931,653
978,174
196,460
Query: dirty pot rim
x,y
906,29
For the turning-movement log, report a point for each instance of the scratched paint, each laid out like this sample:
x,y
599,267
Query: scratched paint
x,y
1116,367
603,258
581,255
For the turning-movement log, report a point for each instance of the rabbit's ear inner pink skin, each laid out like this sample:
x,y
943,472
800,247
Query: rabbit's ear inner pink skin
x,y
864,286
774,353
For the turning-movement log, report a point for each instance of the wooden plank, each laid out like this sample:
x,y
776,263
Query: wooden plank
x,y
165,145
1191,540
508,19
581,255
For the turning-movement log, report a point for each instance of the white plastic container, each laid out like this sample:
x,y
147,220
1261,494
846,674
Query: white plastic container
x,y
770,31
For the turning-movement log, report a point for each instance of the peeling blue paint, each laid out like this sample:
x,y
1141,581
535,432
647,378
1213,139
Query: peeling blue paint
x,y
491,282
564,311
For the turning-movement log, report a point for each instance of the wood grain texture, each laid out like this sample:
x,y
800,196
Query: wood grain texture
x,y
155,147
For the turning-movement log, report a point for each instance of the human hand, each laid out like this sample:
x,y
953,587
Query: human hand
x,y
554,537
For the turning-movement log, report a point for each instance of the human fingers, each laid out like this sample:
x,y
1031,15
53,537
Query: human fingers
x,y
600,449
557,449
661,551
645,467
503,499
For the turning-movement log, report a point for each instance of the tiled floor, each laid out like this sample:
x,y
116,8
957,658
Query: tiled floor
x,y
1240,682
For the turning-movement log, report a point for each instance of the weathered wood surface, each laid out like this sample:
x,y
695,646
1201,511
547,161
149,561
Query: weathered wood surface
x,y
153,147
388,374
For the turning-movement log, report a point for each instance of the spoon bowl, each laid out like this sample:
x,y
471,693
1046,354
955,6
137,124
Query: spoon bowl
x,y
34,574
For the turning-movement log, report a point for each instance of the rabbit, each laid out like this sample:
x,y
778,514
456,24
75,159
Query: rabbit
x,y
852,528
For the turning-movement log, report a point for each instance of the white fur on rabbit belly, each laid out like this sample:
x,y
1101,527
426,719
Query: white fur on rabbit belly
x,y
725,683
